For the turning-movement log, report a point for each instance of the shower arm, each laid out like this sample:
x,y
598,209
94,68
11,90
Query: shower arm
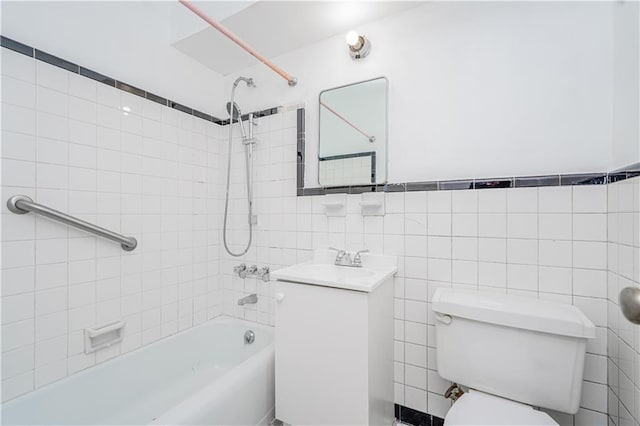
x,y
226,32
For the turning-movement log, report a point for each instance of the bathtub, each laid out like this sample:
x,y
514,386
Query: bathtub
x,y
205,375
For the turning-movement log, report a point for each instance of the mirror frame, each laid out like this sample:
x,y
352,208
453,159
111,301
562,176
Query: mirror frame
x,y
386,132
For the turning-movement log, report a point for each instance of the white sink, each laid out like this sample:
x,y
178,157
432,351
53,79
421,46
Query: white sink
x,y
322,271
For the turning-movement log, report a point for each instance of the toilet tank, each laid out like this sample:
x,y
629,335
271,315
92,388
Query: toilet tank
x,y
523,349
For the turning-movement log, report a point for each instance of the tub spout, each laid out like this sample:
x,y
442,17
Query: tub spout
x,y
252,298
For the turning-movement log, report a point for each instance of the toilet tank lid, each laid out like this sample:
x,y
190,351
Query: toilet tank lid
x,y
513,311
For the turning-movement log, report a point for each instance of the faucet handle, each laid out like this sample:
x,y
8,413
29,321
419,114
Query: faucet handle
x,y
357,259
340,253
264,273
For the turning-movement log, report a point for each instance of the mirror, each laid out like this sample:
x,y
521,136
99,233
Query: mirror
x,y
353,134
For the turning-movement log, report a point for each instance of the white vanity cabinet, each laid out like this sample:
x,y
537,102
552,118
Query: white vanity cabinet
x,y
334,353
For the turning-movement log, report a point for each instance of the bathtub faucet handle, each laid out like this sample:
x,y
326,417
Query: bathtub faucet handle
x,y
241,270
264,273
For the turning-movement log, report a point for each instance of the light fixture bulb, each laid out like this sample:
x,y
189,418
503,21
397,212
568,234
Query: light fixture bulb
x,y
352,38
359,45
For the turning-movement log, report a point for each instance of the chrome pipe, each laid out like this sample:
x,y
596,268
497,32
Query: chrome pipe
x,y
21,204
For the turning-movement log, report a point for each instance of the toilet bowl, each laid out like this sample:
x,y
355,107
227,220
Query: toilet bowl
x,y
479,408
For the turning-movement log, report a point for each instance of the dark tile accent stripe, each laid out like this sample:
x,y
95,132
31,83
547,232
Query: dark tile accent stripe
x,y
15,46
97,77
422,186
415,417
313,191
156,98
530,181
615,177
583,179
300,175
437,421
337,190
373,167
392,187
301,120
128,88
455,184
58,62
343,156
300,151
85,72
493,183
180,107
361,189
202,115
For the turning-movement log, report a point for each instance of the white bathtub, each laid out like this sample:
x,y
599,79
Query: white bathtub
x,y
206,375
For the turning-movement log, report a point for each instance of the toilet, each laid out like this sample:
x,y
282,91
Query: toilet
x,y
513,353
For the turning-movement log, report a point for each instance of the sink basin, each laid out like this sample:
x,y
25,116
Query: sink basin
x,y
322,271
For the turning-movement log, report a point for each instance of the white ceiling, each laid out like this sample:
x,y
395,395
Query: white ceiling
x,y
276,27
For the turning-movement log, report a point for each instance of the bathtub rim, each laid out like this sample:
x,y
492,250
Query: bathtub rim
x,y
221,319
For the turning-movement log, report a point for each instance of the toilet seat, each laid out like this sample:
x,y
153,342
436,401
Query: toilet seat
x,y
478,408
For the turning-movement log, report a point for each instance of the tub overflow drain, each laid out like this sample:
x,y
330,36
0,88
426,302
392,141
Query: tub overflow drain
x,y
249,337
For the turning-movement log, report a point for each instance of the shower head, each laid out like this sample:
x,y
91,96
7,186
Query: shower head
x,y
249,81
236,111
233,109
236,114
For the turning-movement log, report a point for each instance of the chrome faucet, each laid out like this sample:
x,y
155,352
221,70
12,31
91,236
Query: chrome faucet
x,y
252,298
244,271
241,270
343,258
357,259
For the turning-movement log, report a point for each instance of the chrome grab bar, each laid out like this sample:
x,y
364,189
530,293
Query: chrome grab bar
x,y
21,204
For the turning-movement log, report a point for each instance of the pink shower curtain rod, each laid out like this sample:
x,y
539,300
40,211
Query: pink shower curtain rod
x,y
225,31
371,139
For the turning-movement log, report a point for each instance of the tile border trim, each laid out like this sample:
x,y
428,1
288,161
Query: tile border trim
x,y
416,418
109,81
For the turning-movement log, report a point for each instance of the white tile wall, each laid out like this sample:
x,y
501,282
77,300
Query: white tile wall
x,y
281,236
158,174
151,172
623,348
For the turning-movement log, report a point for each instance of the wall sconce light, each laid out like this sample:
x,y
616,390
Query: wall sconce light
x,y
359,46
